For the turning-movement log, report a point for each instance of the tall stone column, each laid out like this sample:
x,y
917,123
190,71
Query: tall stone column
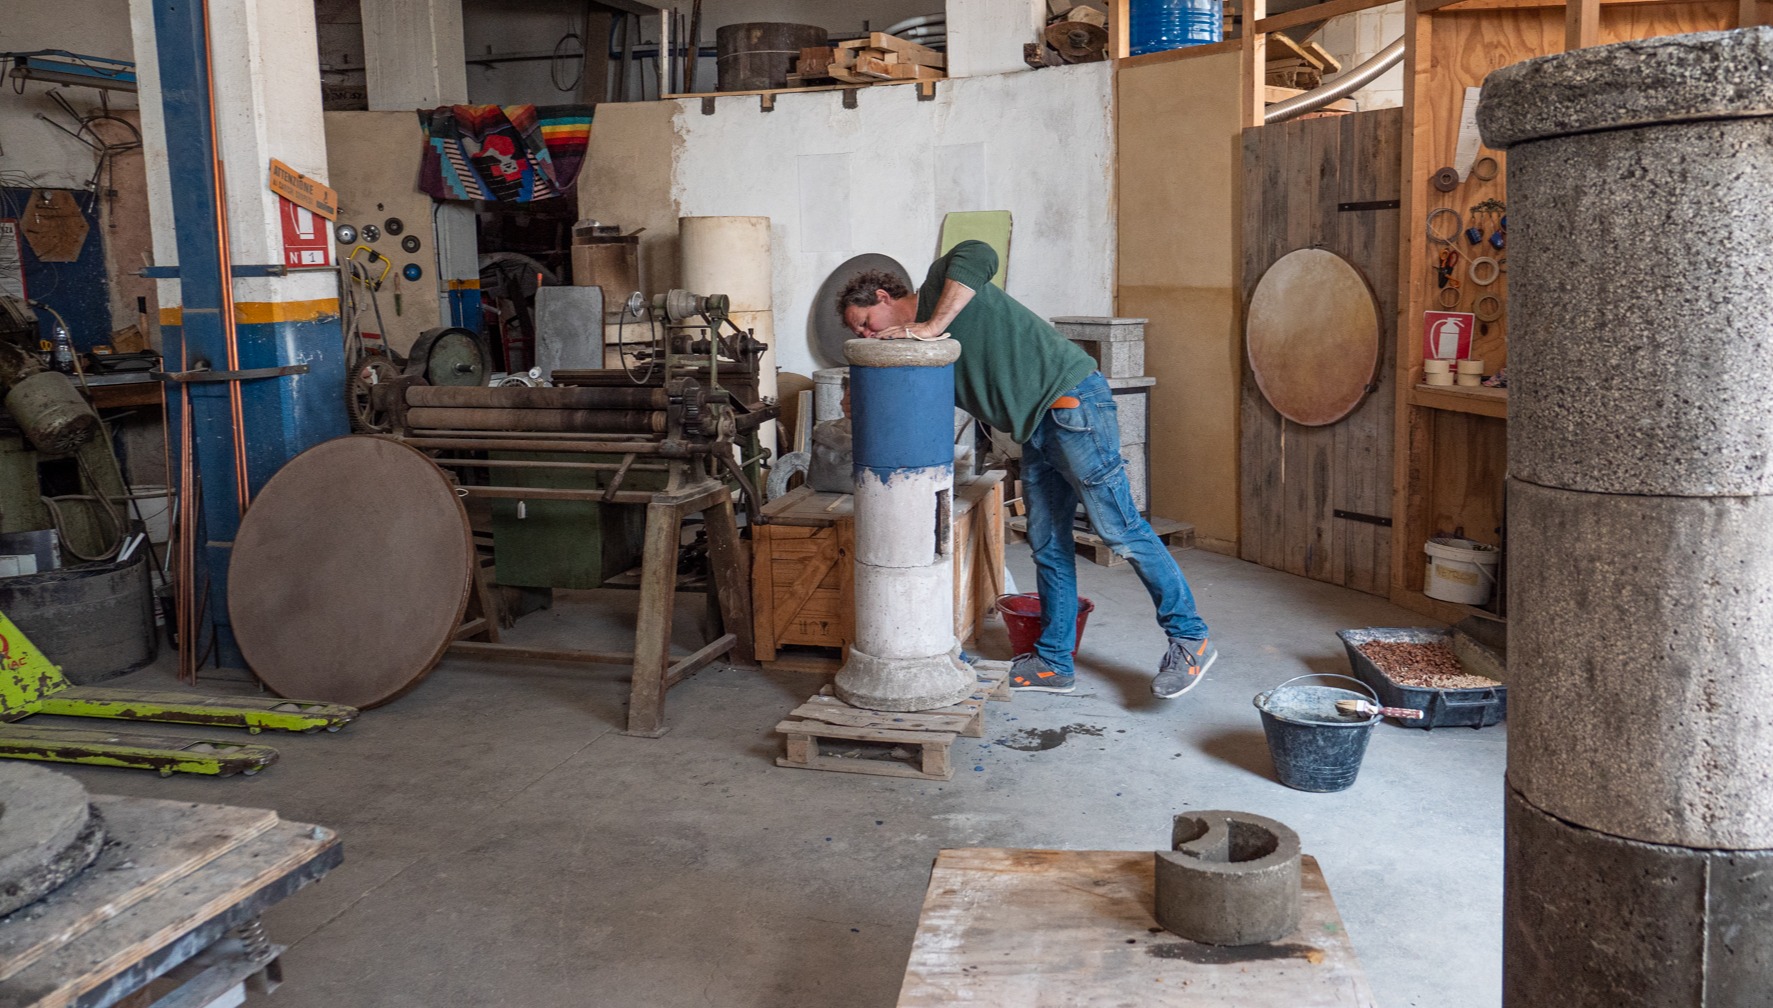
x,y
902,402
1640,773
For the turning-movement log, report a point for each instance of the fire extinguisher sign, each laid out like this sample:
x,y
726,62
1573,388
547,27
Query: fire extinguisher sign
x,y
307,238
1447,335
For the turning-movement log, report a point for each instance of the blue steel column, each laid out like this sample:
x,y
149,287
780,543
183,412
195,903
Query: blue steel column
x,y
283,416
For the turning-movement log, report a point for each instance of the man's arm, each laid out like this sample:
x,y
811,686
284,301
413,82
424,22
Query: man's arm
x,y
955,296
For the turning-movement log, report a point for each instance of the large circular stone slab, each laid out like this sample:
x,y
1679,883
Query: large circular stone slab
x,y
1313,337
350,572
825,322
48,833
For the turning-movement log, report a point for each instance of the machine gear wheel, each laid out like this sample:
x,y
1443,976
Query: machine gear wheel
x,y
364,377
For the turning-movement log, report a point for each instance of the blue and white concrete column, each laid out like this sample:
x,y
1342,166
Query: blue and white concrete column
x,y
256,64
904,657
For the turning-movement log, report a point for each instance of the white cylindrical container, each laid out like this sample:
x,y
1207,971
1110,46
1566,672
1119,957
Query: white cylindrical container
x,y
1435,365
828,386
1438,378
1475,367
904,656
731,256
1460,570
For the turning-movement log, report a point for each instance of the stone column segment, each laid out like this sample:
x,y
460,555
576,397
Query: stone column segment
x,y
904,657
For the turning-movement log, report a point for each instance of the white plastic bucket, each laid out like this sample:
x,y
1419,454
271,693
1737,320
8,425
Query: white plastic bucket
x,y
1460,570
156,504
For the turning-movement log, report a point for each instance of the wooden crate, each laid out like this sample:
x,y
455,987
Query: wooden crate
x,y
870,737
803,574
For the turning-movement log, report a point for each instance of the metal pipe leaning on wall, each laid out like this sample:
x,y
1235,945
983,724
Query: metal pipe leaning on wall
x,y
1639,851
1338,89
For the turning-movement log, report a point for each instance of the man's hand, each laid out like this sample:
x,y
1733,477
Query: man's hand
x,y
916,330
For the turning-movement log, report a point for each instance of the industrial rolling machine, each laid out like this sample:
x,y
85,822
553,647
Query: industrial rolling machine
x,y
674,430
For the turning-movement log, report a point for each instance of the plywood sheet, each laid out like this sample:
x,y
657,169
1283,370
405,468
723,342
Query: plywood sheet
x,y
1179,175
1075,928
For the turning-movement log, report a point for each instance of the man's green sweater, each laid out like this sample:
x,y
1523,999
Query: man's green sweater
x,y
1013,364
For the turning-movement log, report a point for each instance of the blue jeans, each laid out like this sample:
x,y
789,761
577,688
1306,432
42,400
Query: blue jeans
x,y
1074,456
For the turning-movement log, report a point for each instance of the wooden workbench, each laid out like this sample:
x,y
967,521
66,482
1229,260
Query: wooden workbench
x,y
173,880
1013,928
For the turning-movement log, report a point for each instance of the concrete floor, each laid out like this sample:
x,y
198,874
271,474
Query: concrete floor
x,y
505,846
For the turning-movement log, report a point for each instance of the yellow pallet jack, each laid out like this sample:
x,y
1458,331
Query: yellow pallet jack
x,y
31,684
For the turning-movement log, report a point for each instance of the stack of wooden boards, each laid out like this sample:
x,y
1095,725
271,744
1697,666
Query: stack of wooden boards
x,y
879,57
1297,65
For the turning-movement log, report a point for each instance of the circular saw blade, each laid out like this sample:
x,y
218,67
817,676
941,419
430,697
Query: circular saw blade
x,y
825,323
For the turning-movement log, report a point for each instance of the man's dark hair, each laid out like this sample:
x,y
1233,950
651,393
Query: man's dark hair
x,y
859,292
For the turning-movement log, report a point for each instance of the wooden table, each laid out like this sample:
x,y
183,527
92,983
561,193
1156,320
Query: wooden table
x,y
173,881
1012,928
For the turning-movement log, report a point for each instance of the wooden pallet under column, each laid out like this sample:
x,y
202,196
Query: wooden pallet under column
x,y
871,737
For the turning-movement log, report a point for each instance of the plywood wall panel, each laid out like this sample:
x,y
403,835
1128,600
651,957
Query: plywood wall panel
x,y
1179,172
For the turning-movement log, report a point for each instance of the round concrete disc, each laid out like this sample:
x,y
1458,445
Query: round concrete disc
x,y
350,572
48,833
1313,337
824,321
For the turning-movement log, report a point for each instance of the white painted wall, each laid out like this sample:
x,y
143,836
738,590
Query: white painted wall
x,y
33,153
838,182
987,36
1354,38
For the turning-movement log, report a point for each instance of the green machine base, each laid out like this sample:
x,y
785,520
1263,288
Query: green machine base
x,y
31,684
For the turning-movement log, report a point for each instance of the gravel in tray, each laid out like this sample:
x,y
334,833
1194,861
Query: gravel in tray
x,y
1423,665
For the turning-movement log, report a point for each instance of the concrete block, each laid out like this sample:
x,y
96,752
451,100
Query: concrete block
x,y
1641,661
1231,878
1134,411
1683,928
1100,329
1117,360
1138,479
1643,372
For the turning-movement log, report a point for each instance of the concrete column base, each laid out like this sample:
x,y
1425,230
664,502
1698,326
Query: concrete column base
x,y
904,684
1595,921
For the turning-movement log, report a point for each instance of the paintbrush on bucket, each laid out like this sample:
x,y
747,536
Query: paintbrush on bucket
x,y
1365,707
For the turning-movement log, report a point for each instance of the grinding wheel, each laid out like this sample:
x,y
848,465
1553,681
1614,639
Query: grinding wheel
x,y
48,833
824,321
1313,337
350,572
1078,41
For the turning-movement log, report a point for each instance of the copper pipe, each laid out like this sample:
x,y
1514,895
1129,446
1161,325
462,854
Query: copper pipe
x,y
225,250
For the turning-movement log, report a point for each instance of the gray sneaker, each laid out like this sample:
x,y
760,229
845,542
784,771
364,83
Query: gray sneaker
x,y
1031,674
1183,666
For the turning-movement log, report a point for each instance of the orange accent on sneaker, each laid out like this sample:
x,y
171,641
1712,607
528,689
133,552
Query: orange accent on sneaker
x,y
1066,402
1044,675
1201,650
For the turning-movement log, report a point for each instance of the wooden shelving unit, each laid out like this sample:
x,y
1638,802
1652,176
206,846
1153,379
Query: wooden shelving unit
x,y
1451,450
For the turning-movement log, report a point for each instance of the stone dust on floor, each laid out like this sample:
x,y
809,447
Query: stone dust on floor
x,y
504,845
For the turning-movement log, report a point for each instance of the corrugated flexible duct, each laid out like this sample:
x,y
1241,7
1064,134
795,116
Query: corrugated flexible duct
x,y
1338,89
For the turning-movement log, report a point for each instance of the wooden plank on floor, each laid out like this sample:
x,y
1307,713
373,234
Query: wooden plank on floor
x,y
61,978
1098,944
161,842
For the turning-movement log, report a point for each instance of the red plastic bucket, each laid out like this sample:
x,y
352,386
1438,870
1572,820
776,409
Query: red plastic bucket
x,y
1021,617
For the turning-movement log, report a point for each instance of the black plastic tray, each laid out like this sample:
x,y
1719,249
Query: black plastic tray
x,y
1442,708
